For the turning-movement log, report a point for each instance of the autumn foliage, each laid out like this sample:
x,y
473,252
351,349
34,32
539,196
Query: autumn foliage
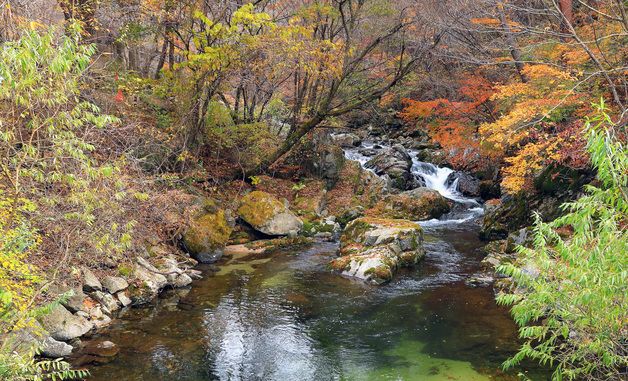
x,y
454,123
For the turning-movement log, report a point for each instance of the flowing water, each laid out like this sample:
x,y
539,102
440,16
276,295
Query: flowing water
x,y
287,317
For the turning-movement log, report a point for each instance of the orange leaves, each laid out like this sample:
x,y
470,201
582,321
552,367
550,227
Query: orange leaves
x,y
486,21
414,110
453,124
535,72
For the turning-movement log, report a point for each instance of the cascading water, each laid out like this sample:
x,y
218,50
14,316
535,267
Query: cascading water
x,y
435,177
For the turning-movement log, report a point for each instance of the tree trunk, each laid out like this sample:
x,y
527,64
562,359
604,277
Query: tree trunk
x,y
515,53
566,8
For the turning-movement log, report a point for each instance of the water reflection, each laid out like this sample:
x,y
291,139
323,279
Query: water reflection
x,y
289,319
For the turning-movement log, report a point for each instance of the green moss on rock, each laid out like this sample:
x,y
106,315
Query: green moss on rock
x,y
258,207
207,235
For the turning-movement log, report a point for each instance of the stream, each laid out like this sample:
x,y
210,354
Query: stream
x,y
287,317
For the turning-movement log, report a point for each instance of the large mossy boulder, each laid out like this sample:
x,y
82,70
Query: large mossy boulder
x,y
394,165
268,215
416,205
208,233
373,249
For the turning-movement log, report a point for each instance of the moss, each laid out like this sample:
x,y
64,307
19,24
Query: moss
x,y
416,205
380,273
340,264
125,271
258,207
207,233
279,243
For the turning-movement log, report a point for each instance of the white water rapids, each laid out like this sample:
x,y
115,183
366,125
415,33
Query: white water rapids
x,y
435,177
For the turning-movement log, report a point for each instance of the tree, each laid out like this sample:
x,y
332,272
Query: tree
x,y
573,308
388,52
82,11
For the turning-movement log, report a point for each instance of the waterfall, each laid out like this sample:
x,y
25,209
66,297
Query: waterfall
x,y
435,177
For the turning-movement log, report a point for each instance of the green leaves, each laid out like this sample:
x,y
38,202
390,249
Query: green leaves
x,y
573,313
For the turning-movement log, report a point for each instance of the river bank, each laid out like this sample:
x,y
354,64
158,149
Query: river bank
x,y
287,317
283,315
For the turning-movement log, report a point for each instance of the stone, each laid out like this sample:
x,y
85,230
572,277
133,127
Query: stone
x,y
102,322
90,281
466,184
113,284
415,205
123,298
77,302
482,280
55,349
175,276
350,215
372,249
107,300
268,215
149,282
195,274
347,140
208,233
489,189
104,348
64,326
394,165
434,156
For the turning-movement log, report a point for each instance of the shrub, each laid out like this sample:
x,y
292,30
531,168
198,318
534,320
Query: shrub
x,y
573,311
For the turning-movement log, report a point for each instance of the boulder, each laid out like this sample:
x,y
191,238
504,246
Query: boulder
x,y
434,156
373,249
466,184
367,151
489,189
208,233
347,140
64,326
114,284
394,164
106,300
123,298
268,215
96,352
415,205
90,281
55,349
317,155
149,282
78,301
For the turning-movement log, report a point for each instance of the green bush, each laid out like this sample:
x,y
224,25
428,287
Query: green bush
x,y
572,285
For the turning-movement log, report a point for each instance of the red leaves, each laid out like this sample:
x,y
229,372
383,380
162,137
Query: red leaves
x,y
453,123
119,98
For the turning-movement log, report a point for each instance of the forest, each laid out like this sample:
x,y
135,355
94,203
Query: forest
x,y
313,190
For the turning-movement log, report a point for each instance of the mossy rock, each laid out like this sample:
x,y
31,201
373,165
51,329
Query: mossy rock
x,y
208,234
416,205
268,215
370,231
373,249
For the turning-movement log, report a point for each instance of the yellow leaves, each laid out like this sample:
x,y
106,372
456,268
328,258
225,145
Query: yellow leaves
x,y
535,72
17,278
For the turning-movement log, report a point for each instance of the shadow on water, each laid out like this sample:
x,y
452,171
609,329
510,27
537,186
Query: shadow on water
x,y
289,318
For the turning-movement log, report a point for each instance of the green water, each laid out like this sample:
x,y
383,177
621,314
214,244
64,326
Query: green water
x,y
287,317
